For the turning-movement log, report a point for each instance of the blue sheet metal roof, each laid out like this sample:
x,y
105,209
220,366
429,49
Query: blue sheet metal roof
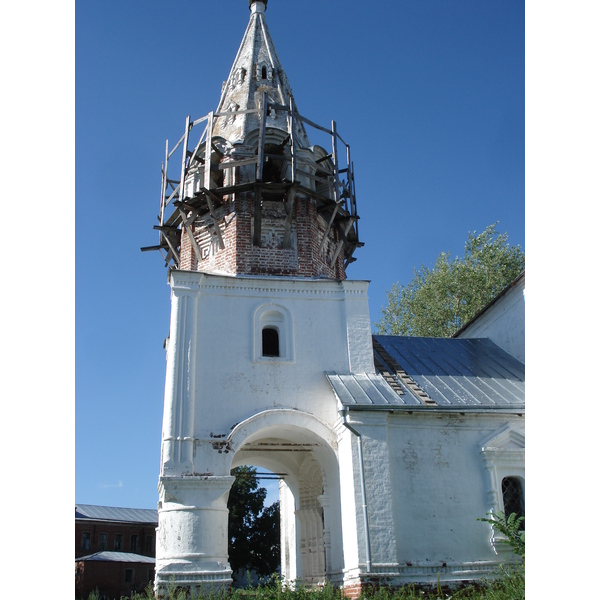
x,y
110,513
366,389
127,557
457,373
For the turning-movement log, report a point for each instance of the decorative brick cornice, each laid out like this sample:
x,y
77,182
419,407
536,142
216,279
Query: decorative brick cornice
x,y
193,281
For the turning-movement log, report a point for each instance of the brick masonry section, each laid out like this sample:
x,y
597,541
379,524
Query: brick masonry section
x,y
240,256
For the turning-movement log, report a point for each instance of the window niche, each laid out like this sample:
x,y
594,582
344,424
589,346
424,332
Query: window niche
x,y
119,542
270,341
263,73
503,454
273,334
86,537
513,498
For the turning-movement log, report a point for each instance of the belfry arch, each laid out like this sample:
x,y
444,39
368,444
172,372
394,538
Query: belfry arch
x,y
303,450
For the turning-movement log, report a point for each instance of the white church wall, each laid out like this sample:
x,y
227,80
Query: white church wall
x,y
503,322
315,336
428,480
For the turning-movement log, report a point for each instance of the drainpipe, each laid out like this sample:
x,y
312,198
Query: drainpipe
x,y
363,489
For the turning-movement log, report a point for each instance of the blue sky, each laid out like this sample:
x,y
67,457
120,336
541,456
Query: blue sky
x,y
429,94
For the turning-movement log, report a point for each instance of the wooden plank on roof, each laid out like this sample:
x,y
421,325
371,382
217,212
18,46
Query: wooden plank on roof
x,y
238,163
309,122
186,223
287,226
324,239
315,177
292,138
207,151
261,138
211,208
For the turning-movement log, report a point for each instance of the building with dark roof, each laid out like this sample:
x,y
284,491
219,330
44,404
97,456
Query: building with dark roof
x,y
114,550
106,528
114,574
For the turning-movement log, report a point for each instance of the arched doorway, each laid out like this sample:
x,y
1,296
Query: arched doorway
x,y
302,449
253,526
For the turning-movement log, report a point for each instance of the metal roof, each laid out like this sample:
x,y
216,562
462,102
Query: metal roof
x,y
459,373
366,389
111,513
126,557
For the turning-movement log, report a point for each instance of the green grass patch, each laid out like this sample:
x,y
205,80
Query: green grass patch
x,y
508,585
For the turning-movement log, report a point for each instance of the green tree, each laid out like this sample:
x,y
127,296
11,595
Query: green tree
x,y
253,528
439,301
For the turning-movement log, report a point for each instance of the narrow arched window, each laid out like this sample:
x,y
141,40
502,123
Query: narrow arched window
x,y
514,498
264,72
270,342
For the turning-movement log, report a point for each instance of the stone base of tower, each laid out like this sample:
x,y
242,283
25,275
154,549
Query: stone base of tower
x,y
196,583
191,549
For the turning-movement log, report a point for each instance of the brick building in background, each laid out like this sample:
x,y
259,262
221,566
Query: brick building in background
x,y
114,549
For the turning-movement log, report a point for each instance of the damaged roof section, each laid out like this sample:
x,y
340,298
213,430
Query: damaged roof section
x,y
367,390
434,374
453,373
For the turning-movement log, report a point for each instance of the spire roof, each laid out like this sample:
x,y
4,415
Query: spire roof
x,y
255,70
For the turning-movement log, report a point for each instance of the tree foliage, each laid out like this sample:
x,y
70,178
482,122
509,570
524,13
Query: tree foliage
x,y
439,301
253,528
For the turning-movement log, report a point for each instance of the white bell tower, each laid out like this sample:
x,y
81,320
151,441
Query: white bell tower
x,y
257,227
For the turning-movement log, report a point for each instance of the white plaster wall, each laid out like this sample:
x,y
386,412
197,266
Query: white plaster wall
x,y
427,484
503,322
217,381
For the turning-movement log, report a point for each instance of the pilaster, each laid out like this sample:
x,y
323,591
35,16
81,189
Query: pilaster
x,y
178,419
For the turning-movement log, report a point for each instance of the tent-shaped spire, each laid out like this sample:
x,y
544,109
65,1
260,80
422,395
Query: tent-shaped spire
x,y
256,70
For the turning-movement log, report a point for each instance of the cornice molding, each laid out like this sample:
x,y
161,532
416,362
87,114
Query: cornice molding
x,y
195,282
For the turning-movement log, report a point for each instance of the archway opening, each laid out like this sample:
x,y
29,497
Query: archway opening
x,y
297,462
253,526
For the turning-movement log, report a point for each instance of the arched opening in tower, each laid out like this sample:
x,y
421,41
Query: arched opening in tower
x,y
304,535
275,165
253,528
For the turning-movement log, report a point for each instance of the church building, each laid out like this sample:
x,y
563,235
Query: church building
x,y
389,448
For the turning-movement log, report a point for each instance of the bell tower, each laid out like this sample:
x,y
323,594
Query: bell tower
x,y
243,190
257,227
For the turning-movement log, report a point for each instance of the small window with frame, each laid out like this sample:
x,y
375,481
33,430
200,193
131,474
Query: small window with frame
x,y
273,334
118,541
270,341
513,499
102,541
86,538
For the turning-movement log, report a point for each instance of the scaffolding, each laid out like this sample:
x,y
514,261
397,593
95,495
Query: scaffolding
x,y
200,185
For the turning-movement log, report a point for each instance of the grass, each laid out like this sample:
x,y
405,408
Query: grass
x,y
509,585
